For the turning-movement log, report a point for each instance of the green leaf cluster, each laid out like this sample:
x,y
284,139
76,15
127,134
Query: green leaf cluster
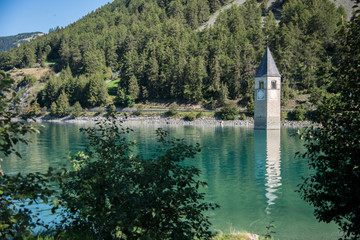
x,y
114,193
16,191
228,112
334,148
158,53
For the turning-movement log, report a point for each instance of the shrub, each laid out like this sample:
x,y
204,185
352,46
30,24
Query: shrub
x,y
250,107
123,99
228,112
17,221
100,111
242,116
28,80
115,194
62,105
199,115
299,114
139,110
76,110
173,110
111,109
33,110
190,116
53,109
316,96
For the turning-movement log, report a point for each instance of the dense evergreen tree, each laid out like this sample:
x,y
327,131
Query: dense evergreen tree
x,y
96,91
156,43
333,149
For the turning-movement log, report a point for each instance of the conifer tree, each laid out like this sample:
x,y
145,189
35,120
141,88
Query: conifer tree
x,y
133,88
62,105
97,91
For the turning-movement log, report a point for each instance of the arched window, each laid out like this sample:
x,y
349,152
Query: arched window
x,y
273,84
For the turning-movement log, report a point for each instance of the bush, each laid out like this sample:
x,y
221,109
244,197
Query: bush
x,y
250,107
53,109
28,80
33,110
17,192
115,194
111,110
100,111
299,114
76,110
199,115
228,112
316,96
139,111
242,116
302,112
173,110
123,99
190,116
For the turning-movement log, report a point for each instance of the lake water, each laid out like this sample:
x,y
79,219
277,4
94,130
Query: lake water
x,y
252,174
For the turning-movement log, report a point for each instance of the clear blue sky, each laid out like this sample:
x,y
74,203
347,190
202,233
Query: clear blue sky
x,y
20,16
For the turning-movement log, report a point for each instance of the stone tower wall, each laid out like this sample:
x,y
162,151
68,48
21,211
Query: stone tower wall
x,y
268,111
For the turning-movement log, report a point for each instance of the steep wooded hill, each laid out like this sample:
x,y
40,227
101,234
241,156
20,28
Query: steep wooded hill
x,y
154,47
9,42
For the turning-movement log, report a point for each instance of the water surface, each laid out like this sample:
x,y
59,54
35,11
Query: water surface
x,y
252,174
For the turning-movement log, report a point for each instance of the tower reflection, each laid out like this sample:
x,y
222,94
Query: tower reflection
x,y
273,167
268,163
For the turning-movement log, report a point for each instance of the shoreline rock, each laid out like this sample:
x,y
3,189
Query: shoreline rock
x,y
158,120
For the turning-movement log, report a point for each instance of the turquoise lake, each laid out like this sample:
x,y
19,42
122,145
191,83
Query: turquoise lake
x,y
252,174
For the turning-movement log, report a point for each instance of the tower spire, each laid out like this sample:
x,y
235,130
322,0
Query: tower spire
x,y
267,66
267,94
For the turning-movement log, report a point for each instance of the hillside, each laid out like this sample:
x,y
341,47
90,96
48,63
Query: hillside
x,y
9,42
152,51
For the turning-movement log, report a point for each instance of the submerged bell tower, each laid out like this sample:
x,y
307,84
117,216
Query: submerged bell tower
x,y
267,94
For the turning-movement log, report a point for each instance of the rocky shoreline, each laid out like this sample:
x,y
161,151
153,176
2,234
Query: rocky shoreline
x,y
159,120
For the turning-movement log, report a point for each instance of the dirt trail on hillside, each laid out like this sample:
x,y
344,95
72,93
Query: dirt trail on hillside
x,y
272,4
212,19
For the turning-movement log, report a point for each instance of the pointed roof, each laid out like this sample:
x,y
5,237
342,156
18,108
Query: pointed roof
x,y
267,66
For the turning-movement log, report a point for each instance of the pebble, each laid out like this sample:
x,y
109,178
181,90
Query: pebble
x,y
158,120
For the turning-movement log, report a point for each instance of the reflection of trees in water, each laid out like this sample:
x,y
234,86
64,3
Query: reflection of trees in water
x,y
50,148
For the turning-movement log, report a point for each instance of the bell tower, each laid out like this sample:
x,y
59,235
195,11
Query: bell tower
x,y
267,94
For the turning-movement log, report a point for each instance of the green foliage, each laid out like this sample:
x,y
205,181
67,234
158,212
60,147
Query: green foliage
x,y
97,91
242,116
111,110
302,112
173,110
112,87
28,80
199,115
316,96
191,116
228,112
299,114
139,111
16,220
123,99
250,107
116,194
153,48
333,149
62,105
53,109
76,110
133,88
6,43
33,110
11,132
